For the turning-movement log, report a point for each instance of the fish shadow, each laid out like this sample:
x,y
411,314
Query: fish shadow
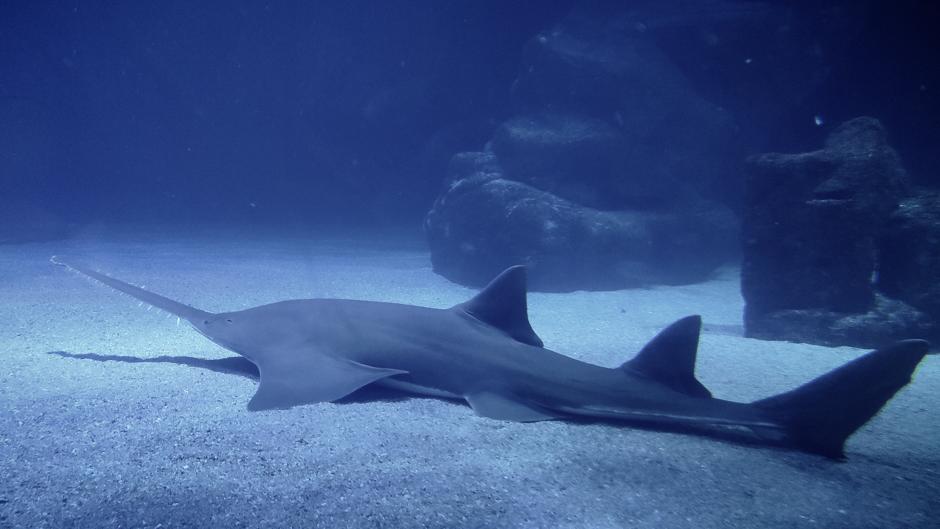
x,y
233,365
240,366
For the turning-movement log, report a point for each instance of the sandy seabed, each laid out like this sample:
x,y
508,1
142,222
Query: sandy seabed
x,y
104,444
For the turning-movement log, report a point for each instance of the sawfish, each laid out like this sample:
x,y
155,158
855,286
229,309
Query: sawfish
x,y
485,352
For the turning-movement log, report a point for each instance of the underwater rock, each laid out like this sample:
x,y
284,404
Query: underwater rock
x,y
578,158
909,249
887,321
596,64
485,222
810,227
598,181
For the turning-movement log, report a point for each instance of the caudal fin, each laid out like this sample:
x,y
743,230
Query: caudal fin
x,y
821,414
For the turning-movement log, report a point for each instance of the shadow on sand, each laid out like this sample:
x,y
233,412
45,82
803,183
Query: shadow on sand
x,y
233,365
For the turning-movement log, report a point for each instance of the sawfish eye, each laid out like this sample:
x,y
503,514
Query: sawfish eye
x,y
228,320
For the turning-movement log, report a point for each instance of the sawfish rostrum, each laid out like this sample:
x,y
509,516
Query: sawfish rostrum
x,y
485,352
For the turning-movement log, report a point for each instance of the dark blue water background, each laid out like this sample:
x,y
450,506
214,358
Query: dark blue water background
x,y
347,112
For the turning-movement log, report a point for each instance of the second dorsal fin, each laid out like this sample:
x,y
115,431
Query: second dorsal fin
x,y
502,304
669,358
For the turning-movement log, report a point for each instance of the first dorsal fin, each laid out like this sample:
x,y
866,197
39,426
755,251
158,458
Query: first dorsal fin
x,y
502,304
669,358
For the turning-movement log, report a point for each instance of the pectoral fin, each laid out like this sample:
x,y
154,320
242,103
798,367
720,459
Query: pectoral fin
x,y
502,407
291,379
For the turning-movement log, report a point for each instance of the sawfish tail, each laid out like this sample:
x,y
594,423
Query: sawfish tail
x,y
173,307
820,415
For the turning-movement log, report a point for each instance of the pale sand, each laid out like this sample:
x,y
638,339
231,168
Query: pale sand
x,y
113,444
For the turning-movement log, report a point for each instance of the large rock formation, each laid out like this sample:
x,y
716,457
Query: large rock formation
x,y
598,65
810,241
909,250
599,180
485,222
579,158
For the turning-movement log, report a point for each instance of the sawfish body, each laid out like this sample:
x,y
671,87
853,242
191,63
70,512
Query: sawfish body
x,y
485,352
466,358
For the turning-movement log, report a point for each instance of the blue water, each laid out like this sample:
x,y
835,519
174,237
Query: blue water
x,y
233,153
313,112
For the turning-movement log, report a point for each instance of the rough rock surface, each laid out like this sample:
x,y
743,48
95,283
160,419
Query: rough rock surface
x,y
810,241
909,267
578,158
591,64
485,222
598,181
887,321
